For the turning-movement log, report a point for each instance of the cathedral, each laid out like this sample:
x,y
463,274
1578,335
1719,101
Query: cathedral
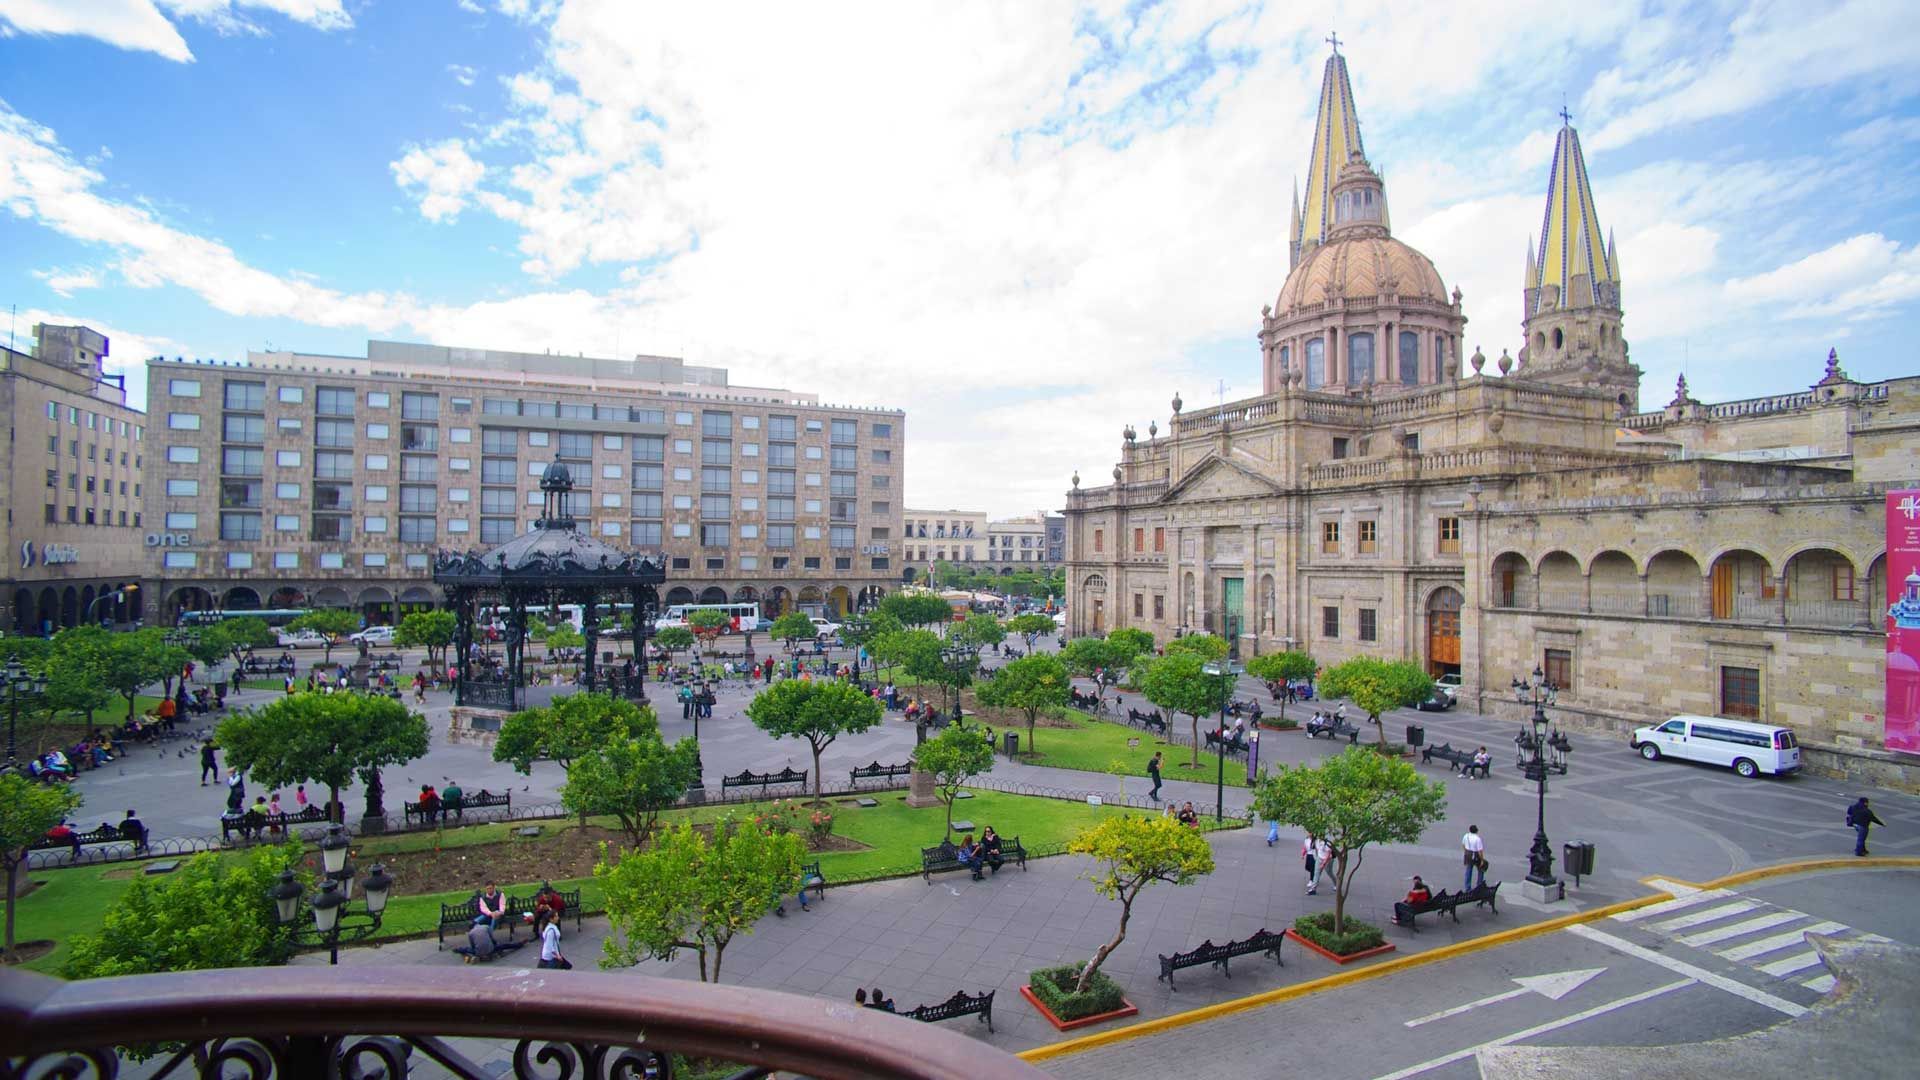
x,y
1387,495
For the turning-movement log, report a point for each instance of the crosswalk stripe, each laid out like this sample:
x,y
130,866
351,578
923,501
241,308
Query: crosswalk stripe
x,y
1821,983
1664,906
1740,929
1779,941
1797,962
1724,911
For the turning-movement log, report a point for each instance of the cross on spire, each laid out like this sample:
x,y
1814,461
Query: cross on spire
x,y
1334,40
1566,118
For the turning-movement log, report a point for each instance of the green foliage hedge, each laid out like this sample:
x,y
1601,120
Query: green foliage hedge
x,y
1054,987
1318,928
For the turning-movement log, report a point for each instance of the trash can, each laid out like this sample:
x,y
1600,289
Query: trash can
x,y
1011,740
1416,735
1576,858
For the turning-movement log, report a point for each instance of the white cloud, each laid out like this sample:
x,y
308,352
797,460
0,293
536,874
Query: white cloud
x,y
68,282
442,175
142,25
1860,276
462,74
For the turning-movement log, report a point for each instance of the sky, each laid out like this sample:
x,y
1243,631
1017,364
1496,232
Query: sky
x,y
1028,224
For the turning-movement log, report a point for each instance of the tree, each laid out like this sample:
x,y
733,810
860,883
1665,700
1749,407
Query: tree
x,y
632,779
209,644
77,671
137,660
979,631
1351,800
323,739
215,911
431,630
818,712
915,652
858,631
1132,640
1131,852
27,811
708,624
954,757
694,891
570,728
1034,682
332,624
1377,686
917,609
673,639
1031,625
564,636
249,632
1282,668
1105,660
1204,646
791,627
1179,683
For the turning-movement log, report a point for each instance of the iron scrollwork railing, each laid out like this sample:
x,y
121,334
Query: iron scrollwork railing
x,y
356,1022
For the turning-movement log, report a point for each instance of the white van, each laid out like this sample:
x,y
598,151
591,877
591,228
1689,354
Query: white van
x,y
1745,747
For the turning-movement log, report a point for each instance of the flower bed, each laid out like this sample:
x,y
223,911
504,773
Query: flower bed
x,y
1051,991
1359,941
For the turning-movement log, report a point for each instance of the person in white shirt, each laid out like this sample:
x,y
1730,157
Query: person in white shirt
x,y
1472,849
549,931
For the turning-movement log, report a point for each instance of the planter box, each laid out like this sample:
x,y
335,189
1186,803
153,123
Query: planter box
x,y
1377,950
1126,1009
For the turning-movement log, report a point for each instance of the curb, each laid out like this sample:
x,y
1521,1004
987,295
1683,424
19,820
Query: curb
x,y
1447,952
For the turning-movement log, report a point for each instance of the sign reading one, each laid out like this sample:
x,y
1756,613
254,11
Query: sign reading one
x,y
170,539
874,549
1903,621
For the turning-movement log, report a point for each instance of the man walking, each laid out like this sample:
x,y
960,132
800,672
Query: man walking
x,y
208,763
1471,848
1153,770
1861,817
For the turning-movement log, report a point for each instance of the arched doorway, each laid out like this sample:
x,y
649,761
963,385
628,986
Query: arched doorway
x,y
287,596
69,607
86,603
779,601
47,612
713,594
241,598
25,619
330,597
812,601
376,605
840,601
417,598
679,595
1443,631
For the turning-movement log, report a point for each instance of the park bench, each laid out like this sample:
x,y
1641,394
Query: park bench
x,y
877,771
518,912
254,666
482,800
1218,955
749,778
946,856
1234,747
1091,702
106,834
250,824
1332,727
1152,721
1460,760
960,1004
1447,903
812,878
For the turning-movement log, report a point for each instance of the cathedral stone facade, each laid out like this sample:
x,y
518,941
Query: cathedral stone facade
x,y
1383,497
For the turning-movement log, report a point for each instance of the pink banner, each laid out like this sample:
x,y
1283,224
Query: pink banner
x,y
1903,621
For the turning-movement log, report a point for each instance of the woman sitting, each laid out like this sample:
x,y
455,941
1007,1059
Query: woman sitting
x,y
1417,896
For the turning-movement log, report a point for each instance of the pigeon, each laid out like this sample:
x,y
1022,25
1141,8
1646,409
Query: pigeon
x,y
953,890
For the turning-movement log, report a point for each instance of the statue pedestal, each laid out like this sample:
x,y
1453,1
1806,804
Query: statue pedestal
x,y
470,725
1543,894
920,790
370,825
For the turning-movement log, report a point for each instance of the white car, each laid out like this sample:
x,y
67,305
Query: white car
x,y
1448,685
374,635
302,639
823,628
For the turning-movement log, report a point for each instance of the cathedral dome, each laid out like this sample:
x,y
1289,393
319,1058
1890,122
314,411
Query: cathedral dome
x,y
1362,267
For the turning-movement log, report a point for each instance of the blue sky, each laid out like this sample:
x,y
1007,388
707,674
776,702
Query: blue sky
x,y
1026,224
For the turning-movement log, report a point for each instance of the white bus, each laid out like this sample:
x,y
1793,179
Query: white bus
x,y
740,617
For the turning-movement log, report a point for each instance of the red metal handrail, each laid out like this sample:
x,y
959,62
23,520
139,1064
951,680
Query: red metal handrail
x,y
41,1016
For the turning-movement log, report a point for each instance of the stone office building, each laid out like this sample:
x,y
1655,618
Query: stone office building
x,y
1382,498
74,520
299,480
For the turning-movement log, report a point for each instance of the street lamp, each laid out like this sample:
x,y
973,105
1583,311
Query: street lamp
x,y
1541,753
958,658
1229,672
120,595
330,905
19,681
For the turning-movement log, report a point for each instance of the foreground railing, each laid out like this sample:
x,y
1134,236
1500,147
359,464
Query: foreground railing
x,y
364,1021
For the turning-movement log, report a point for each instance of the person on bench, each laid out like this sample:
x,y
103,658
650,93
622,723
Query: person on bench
x,y
492,904
990,852
1482,764
879,1000
1416,897
64,833
132,828
969,856
550,899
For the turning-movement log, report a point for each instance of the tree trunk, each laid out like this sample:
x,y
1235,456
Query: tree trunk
x,y
1100,957
719,951
1380,728
13,870
817,801
1196,740
336,813
948,796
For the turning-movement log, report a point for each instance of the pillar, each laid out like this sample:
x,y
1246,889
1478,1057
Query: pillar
x,y
1586,592
1646,598
1780,593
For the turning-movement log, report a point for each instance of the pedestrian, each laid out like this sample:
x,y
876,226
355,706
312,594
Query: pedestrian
x,y
236,791
1861,817
1153,770
300,796
208,763
1310,860
1472,848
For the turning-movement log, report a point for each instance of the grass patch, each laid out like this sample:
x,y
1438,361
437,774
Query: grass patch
x,y
1094,745
1359,936
1054,987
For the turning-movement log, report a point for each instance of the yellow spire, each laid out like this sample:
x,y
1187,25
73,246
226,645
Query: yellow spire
x,y
1336,134
1571,243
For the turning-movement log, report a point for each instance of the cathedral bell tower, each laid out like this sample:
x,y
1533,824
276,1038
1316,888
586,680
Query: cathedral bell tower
x,y
1571,300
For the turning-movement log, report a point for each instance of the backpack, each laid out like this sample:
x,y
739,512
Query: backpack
x,y
1852,815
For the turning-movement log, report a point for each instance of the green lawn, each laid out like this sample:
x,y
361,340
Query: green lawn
x,y
1095,745
73,901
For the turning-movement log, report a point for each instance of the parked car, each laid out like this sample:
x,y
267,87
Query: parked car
x,y
1449,685
1747,748
302,639
374,635
1440,701
824,628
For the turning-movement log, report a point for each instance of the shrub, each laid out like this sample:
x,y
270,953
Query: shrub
x,y
1318,928
779,816
1054,987
819,827
1283,724
1389,749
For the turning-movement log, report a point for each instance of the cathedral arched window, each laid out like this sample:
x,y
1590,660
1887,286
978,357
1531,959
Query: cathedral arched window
x,y
1409,357
1359,358
1558,339
1316,363
1286,357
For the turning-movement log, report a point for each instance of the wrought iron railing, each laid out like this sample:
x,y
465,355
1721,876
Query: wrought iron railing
x,y
258,1023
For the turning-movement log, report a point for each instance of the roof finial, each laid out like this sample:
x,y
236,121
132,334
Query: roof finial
x,y
1334,40
1566,118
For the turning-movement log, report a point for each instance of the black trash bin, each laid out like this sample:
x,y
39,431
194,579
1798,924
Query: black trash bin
x,y
1011,740
1416,735
1576,858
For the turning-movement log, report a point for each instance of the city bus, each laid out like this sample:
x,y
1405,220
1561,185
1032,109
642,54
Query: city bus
x,y
273,617
739,616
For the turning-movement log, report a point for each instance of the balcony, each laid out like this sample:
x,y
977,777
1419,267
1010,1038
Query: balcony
x,y
354,1020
